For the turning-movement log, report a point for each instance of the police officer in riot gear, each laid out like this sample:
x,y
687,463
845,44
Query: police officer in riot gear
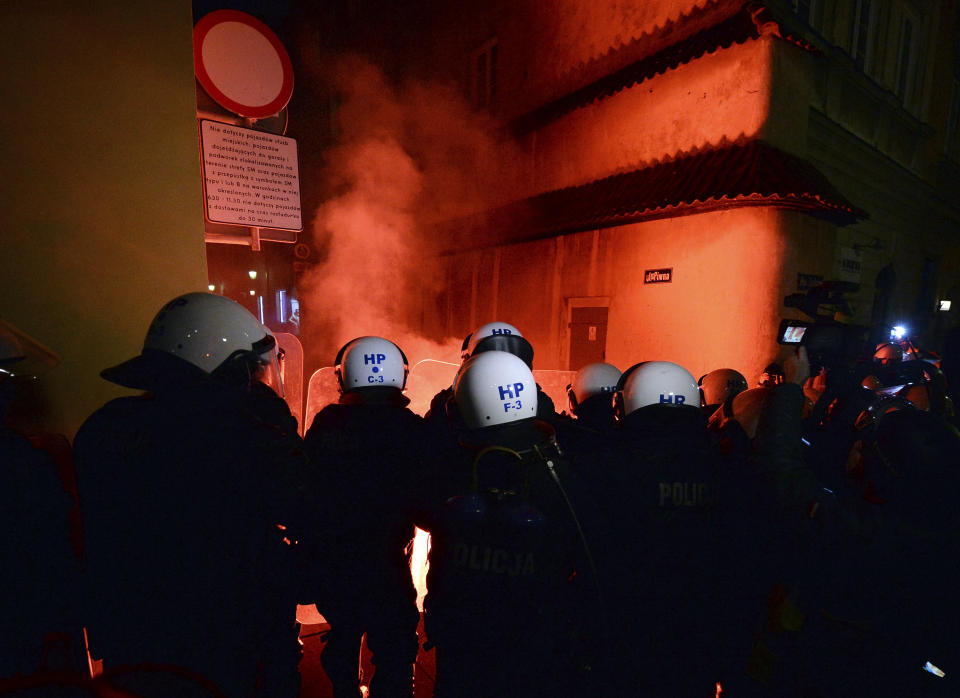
x,y
586,430
590,396
503,604
367,449
184,490
658,561
719,386
39,606
493,336
442,418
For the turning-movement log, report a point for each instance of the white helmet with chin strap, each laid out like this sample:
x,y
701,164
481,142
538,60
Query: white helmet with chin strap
x,y
368,362
592,380
217,335
491,329
495,387
659,383
499,336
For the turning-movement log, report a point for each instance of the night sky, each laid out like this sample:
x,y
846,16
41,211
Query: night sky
x,y
270,12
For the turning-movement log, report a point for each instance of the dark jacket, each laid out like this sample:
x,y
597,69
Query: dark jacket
x,y
658,555
40,571
505,601
182,491
368,453
891,606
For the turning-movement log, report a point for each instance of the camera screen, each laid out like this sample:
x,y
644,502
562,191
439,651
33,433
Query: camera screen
x,y
792,334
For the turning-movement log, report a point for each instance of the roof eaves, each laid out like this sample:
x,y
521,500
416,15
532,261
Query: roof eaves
x,y
697,181
750,21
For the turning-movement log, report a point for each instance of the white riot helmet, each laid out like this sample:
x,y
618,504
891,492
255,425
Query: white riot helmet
x,y
495,387
591,380
499,336
721,384
491,329
217,335
658,383
368,362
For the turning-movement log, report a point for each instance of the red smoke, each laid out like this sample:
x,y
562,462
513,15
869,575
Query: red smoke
x,y
406,157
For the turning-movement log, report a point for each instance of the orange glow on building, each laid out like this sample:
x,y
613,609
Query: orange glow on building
x,y
721,307
723,96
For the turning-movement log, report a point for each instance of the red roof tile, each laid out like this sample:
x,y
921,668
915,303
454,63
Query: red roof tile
x,y
742,174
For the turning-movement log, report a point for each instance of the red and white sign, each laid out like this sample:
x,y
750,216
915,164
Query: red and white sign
x,y
241,64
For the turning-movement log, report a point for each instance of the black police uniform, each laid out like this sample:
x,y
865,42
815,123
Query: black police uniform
x,y
367,449
590,430
182,491
659,562
40,571
504,606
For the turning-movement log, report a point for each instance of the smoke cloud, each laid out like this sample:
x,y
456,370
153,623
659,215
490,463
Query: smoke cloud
x,y
407,157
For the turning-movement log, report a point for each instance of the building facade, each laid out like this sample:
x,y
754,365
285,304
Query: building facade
x,y
672,170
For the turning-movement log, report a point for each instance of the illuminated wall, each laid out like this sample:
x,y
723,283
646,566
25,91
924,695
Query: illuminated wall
x,y
102,217
551,46
574,32
721,96
731,270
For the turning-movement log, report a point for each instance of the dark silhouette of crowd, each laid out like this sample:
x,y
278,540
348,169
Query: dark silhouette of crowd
x,y
663,536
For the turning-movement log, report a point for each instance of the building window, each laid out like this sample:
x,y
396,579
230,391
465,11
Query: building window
x,y
860,32
906,59
484,68
804,10
952,140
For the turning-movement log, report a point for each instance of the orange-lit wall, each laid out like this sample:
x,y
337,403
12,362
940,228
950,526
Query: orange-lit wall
x,y
724,95
553,45
573,32
102,216
731,269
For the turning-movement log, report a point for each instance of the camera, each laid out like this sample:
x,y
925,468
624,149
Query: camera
x,y
830,343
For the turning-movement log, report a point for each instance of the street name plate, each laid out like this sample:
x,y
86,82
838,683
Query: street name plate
x,y
658,276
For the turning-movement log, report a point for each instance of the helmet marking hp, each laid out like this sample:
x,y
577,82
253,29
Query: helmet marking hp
x,y
591,380
491,329
658,382
367,362
495,387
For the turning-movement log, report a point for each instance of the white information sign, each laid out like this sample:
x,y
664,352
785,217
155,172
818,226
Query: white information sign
x,y
250,177
848,264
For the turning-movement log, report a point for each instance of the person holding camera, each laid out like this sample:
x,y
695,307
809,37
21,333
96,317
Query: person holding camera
x,y
888,619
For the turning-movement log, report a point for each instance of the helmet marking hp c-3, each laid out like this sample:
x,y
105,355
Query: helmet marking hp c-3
x,y
368,362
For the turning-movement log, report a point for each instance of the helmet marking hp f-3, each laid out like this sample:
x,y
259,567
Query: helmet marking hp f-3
x,y
495,387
